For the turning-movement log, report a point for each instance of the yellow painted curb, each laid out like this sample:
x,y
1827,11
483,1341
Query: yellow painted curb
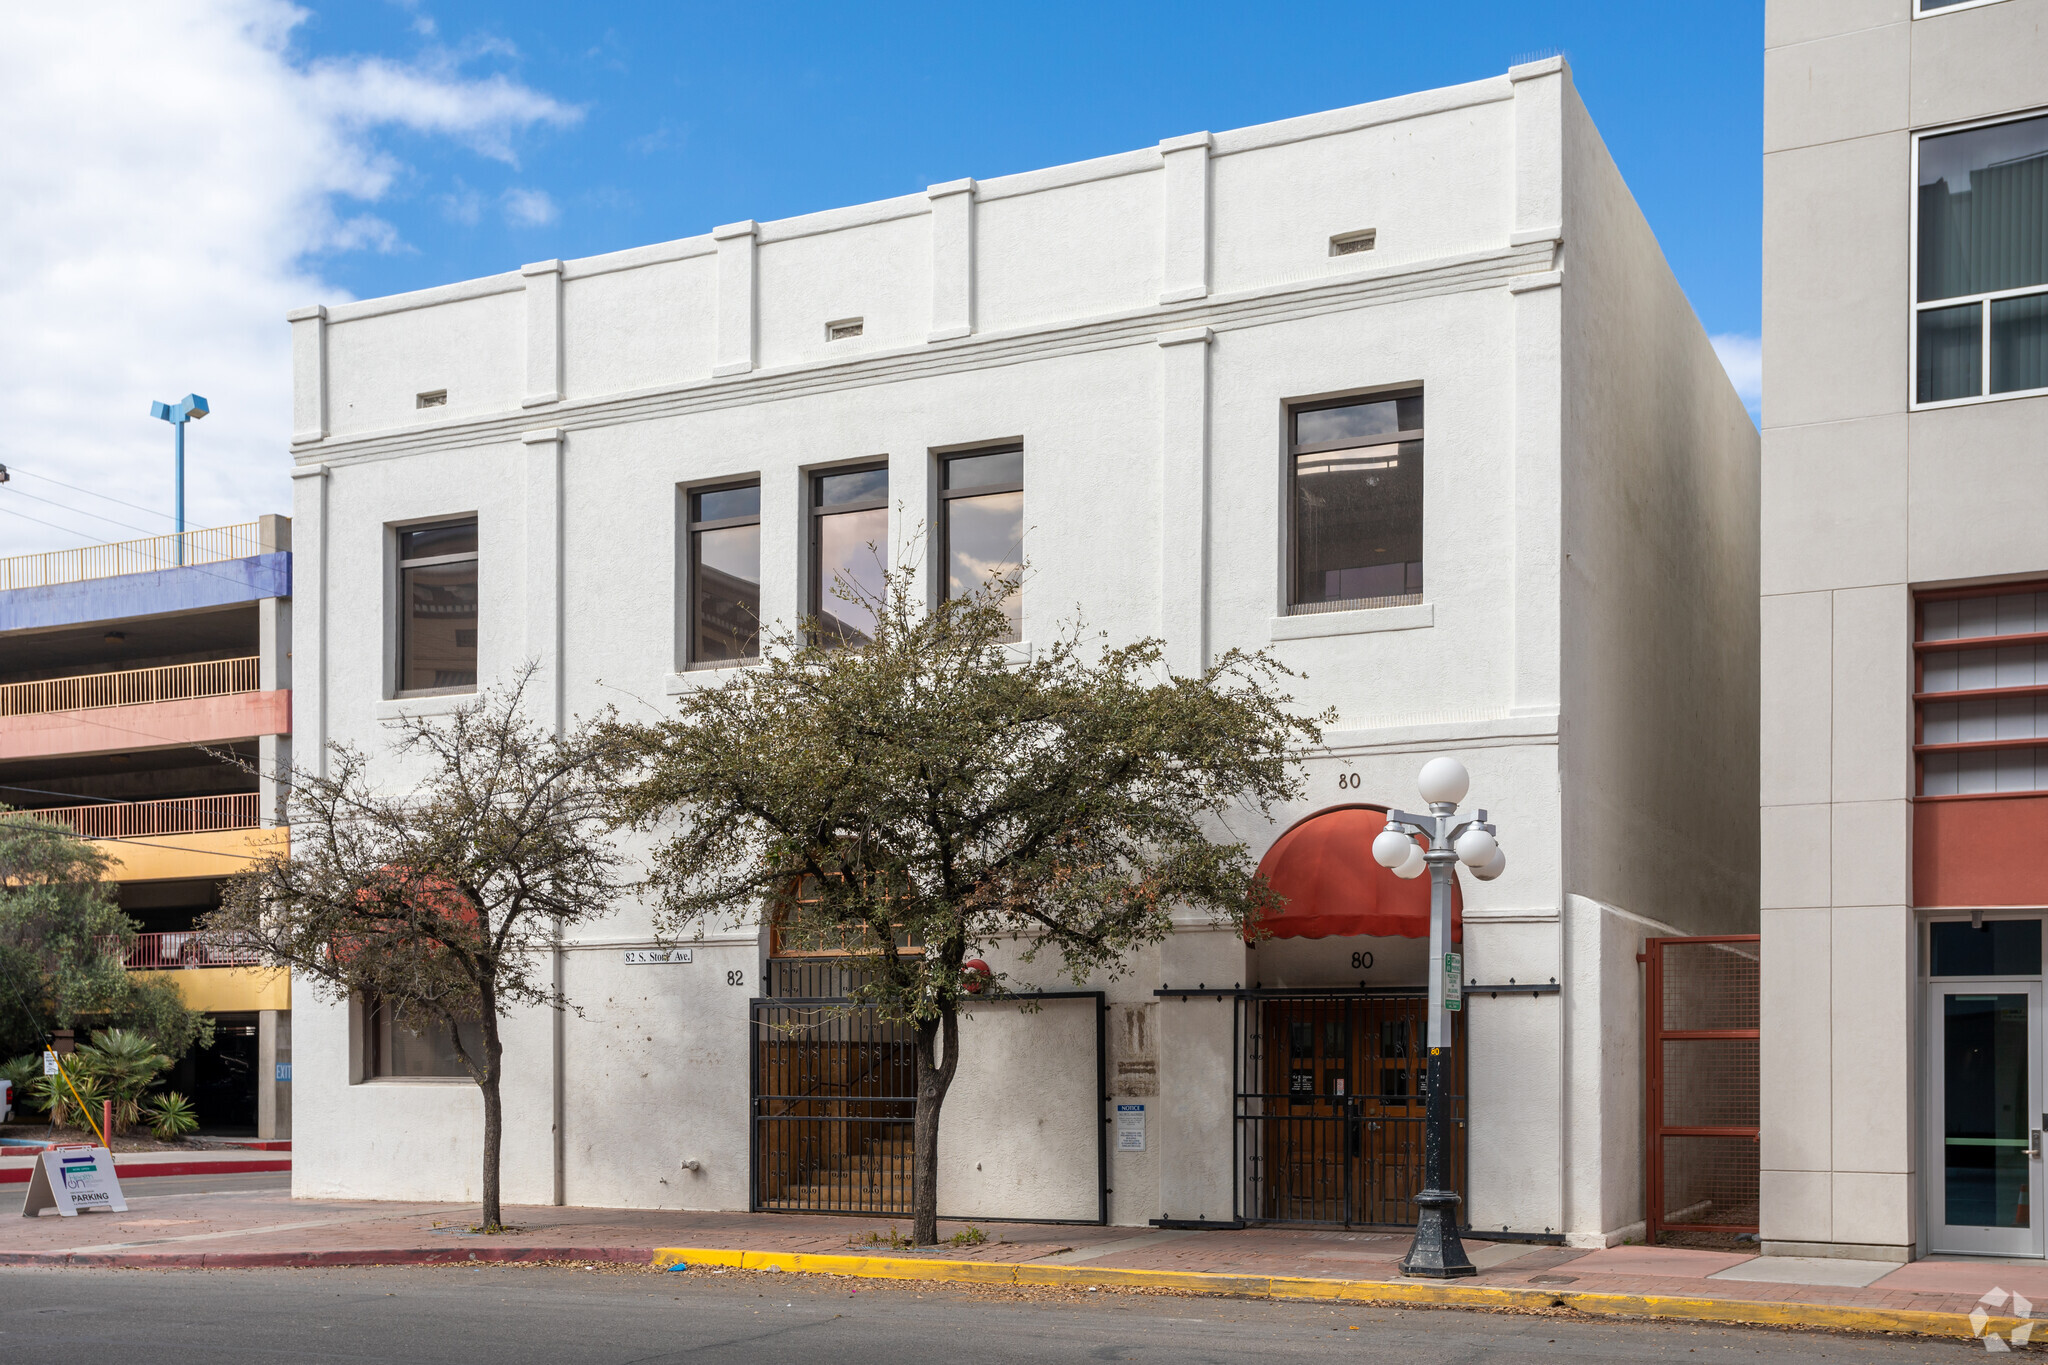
x,y
1833,1318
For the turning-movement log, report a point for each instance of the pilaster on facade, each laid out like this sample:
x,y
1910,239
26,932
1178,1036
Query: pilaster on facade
x,y
1184,498
738,298
1539,150
543,333
952,259
543,560
1184,270
309,373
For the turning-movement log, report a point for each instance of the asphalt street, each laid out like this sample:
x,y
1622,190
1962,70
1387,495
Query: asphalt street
x,y
567,1316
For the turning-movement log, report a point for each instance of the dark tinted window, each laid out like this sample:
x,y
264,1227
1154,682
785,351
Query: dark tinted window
x,y
861,485
2003,947
437,585
1356,508
725,575
717,504
426,542
998,469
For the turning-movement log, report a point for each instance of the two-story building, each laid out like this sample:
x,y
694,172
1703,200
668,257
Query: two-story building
x,y
1905,626
1404,394
128,673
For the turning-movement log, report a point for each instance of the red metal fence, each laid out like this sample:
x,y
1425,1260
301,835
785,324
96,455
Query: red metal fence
x,y
145,819
1701,1039
187,948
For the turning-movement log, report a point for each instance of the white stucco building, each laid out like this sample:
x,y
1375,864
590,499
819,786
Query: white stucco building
x,y
1194,377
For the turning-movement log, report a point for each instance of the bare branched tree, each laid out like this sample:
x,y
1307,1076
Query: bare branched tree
x,y
437,886
920,795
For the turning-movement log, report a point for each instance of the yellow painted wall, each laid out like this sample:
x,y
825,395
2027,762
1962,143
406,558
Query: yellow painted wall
x,y
221,990
217,854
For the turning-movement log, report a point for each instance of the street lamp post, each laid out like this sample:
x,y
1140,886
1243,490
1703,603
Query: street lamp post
x,y
1453,838
187,409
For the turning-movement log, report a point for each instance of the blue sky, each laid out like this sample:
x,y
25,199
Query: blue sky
x,y
207,165
694,115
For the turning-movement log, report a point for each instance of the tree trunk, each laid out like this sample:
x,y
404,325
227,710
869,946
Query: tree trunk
x,y
494,1124
933,1080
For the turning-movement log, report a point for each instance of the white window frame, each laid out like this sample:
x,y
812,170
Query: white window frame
x,y
1921,12
1983,301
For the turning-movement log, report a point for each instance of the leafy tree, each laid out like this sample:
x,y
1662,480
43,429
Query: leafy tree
x,y
920,797
63,939
441,898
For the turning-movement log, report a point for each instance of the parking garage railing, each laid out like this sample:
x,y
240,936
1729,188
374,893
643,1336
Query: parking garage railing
x,y
131,687
146,819
208,545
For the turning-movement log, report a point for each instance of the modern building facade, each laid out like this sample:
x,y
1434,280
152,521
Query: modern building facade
x,y
1905,599
1402,393
124,670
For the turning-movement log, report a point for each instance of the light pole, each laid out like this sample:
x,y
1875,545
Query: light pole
x,y
189,408
1453,838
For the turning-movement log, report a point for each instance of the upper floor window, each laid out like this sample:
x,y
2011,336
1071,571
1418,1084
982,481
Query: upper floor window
x,y
849,537
982,519
1355,502
1982,693
437,594
1936,6
1981,268
725,574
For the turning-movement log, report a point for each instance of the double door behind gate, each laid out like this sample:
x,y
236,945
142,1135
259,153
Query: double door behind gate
x,y
1332,1106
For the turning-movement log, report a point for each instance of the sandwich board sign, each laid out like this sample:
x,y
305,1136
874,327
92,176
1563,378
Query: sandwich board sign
x,y
74,1180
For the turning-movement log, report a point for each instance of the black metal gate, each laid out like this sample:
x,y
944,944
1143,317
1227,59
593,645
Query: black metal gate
x,y
834,1108
1330,1097
834,1096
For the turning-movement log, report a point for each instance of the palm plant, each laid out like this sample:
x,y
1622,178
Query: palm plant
x,y
124,1064
171,1116
69,1098
23,1071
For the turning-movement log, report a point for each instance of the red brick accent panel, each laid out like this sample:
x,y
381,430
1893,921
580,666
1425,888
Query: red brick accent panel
x,y
1990,851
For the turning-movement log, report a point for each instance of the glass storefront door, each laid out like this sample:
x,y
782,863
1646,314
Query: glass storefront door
x,y
1984,1150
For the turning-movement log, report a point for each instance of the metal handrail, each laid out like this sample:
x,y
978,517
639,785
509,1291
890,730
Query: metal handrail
x,y
189,948
208,545
131,686
145,819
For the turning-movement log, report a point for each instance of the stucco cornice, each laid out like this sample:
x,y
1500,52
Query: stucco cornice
x,y
1141,327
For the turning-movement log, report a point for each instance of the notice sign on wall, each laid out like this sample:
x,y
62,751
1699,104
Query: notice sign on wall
x,y
74,1180
1130,1128
645,957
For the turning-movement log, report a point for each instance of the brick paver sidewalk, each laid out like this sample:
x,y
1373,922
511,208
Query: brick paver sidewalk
x,y
267,1227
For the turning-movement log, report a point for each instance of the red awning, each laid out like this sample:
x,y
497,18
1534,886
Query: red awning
x,y
1325,869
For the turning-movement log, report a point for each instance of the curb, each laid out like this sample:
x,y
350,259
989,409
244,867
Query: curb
x,y
142,1170
1748,1311
256,1260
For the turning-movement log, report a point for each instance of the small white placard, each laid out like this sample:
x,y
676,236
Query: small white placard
x,y
1130,1128
49,1063
74,1180
642,957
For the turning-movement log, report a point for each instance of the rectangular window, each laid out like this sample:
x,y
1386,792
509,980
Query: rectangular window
x,y
1355,500
725,575
982,520
1937,6
849,539
1981,268
437,608
395,1048
1982,692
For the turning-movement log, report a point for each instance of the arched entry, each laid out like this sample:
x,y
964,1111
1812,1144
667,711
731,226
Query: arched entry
x,y
1331,1099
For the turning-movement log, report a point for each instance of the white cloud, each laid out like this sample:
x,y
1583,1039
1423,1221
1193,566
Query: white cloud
x,y
174,170
529,208
1743,358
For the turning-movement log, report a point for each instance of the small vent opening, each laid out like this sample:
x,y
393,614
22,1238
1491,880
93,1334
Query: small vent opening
x,y
1351,243
435,398
843,329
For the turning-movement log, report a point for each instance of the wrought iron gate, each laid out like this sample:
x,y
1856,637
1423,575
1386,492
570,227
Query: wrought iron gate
x,y
1700,1039
1330,1099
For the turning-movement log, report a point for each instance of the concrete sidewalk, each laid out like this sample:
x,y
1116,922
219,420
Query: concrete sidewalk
x,y
262,1227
